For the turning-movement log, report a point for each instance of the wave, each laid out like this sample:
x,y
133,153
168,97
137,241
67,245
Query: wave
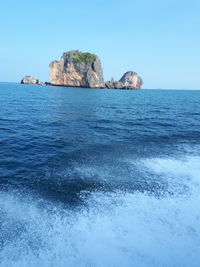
x,y
113,228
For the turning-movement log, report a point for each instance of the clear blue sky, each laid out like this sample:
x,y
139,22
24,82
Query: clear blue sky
x,y
158,39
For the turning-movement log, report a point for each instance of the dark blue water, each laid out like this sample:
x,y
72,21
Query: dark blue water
x,y
99,177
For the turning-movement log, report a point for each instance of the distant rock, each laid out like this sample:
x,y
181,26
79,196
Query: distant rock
x,y
29,80
131,80
77,69
114,85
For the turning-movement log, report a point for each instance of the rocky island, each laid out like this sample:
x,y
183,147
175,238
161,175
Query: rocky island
x,y
79,69
130,80
29,80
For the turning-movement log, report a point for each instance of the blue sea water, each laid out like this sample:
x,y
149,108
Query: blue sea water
x,y
99,177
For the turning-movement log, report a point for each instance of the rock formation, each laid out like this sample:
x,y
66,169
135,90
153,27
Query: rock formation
x,y
77,69
29,80
114,85
130,80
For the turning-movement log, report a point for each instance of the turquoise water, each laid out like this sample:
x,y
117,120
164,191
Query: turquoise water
x,y
99,177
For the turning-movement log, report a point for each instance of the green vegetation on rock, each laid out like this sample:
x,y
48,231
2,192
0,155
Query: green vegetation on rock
x,y
80,57
85,58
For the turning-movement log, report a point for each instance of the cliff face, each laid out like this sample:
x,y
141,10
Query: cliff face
x,y
131,80
77,69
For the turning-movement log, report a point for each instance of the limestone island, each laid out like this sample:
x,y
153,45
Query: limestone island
x,y
29,80
78,69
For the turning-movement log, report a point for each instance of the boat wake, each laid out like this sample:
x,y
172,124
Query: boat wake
x,y
113,228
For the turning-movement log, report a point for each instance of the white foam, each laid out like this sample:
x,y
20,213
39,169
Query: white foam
x,y
117,229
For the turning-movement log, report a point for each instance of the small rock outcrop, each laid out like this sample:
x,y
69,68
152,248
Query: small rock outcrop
x,y
114,85
29,80
131,80
77,69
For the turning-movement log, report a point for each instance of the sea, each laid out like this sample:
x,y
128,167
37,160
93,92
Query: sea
x,y
98,177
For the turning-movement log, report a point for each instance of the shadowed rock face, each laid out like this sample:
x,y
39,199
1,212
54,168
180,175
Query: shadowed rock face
x,y
77,69
29,80
131,80
114,85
